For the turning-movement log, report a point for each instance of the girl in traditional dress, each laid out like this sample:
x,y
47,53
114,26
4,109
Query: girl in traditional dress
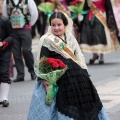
x,y
77,98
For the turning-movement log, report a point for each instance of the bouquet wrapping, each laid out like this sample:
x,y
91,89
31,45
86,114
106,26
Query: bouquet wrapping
x,y
76,8
47,8
50,69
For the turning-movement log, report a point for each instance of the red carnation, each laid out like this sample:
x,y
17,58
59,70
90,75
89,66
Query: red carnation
x,y
50,60
79,1
55,65
58,60
5,44
62,65
73,3
51,64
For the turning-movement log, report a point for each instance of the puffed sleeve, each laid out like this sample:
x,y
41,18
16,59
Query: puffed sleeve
x,y
4,9
9,31
33,11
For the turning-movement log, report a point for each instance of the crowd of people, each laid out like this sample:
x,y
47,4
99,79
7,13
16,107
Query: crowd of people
x,y
98,33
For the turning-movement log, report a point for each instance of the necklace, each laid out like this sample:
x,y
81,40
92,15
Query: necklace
x,y
64,40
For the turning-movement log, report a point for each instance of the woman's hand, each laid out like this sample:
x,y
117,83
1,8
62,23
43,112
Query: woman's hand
x,y
46,84
1,44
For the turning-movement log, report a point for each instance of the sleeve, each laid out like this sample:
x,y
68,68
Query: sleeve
x,y
4,9
8,41
33,11
8,28
44,52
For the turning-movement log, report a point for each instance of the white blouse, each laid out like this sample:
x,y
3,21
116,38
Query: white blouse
x,y
71,43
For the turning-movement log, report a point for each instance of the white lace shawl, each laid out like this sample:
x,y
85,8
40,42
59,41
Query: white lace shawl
x,y
71,42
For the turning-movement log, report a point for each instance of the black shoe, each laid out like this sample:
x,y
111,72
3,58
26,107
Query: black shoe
x,y
91,61
19,80
33,76
101,62
5,103
1,102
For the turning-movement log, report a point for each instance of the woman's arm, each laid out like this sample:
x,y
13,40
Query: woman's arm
x,y
9,31
44,52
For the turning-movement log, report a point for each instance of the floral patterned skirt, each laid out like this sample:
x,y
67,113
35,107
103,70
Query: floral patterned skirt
x,y
40,111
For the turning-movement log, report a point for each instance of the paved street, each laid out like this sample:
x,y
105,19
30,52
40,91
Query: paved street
x,y
105,77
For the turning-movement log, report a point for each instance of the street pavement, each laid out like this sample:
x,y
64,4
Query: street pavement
x,y
110,95
20,93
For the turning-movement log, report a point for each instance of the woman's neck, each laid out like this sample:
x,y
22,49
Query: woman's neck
x,y
63,38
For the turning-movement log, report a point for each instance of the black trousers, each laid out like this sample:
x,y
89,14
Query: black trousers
x,y
40,25
37,26
23,46
4,66
43,23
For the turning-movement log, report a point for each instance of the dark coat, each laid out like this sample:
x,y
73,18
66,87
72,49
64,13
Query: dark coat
x,y
6,34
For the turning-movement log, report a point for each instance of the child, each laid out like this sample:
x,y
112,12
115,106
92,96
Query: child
x,y
6,40
77,98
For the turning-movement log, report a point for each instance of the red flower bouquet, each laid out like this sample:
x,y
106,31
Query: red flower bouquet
x,y
5,44
50,69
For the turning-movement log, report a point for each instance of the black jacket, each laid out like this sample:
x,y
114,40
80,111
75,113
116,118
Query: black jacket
x,y
6,34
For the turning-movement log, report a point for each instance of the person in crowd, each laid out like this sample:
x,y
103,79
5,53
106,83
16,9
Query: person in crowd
x,y
77,97
22,14
98,30
37,25
116,10
6,42
41,22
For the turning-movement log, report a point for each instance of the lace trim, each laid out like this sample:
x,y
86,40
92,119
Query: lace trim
x,y
73,46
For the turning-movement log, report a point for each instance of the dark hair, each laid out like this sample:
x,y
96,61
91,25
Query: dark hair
x,y
59,15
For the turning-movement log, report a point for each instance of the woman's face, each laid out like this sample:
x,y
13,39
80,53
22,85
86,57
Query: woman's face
x,y
57,27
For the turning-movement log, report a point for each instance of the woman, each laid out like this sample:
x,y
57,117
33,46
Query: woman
x,y
77,98
6,40
99,33
116,10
